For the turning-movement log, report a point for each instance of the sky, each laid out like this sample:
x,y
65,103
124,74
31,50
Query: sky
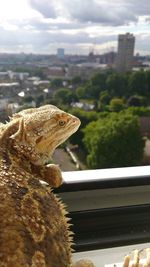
x,y
78,26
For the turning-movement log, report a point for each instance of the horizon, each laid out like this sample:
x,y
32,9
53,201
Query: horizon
x,y
66,54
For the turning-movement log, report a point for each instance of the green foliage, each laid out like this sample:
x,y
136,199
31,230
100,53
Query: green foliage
x,y
85,117
32,71
105,86
56,83
39,72
137,101
99,80
137,83
105,97
138,111
116,84
28,98
147,81
103,114
39,100
80,92
91,91
113,142
64,96
76,80
116,104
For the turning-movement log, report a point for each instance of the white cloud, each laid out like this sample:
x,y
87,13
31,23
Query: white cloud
x,y
117,12
45,7
16,9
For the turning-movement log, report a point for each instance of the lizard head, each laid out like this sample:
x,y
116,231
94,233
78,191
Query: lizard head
x,y
41,130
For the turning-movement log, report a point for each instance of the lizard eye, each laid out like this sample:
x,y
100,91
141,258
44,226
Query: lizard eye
x,y
62,123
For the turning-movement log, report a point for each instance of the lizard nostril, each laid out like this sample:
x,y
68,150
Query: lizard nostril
x,y
75,120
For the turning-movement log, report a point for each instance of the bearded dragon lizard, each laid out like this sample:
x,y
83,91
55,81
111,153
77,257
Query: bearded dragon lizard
x,y
34,231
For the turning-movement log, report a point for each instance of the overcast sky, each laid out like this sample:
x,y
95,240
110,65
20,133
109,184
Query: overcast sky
x,y
79,26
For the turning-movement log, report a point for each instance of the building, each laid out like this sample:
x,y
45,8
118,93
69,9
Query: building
x,y
55,72
85,70
60,53
9,90
108,58
125,54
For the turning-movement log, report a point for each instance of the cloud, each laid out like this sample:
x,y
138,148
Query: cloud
x,y
142,42
77,14
47,41
45,7
76,23
46,24
147,19
105,12
140,7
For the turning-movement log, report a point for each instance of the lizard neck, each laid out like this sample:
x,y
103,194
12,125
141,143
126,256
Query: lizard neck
x,y
12,162
12,158
9,156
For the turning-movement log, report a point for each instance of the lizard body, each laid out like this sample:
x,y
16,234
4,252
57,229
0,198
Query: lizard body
x,y
34,229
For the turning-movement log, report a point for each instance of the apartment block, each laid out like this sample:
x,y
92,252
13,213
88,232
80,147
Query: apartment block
x,y
126,43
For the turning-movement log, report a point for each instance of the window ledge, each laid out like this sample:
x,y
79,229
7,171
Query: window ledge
x,y
105,178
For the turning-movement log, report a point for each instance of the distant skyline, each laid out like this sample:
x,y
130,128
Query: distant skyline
x,y
42,26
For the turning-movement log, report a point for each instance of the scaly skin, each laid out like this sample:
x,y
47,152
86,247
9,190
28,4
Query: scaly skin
x,y
137,258
33,226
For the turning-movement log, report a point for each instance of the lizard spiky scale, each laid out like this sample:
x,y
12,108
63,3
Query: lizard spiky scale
x,y
31,216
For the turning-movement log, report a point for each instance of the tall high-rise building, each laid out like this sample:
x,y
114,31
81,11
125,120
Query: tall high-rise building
x,y
60,53
125,54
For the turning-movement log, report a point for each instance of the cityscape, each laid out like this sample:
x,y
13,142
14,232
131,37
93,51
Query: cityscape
x,y
96,67
90,86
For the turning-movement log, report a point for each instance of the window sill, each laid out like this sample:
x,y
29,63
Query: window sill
x,y
105,178
108,208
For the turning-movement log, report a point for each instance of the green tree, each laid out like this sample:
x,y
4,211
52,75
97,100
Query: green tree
x,y
76,80
99,80
96,85
85,117
39,100
116,104
65,96
81,92
147,77
137,101
92,91
137,83
56,83
137,111
28,99
38,72
117,84
113,142
104,98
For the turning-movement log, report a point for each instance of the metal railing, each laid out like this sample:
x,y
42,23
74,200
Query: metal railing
x,y
109,207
